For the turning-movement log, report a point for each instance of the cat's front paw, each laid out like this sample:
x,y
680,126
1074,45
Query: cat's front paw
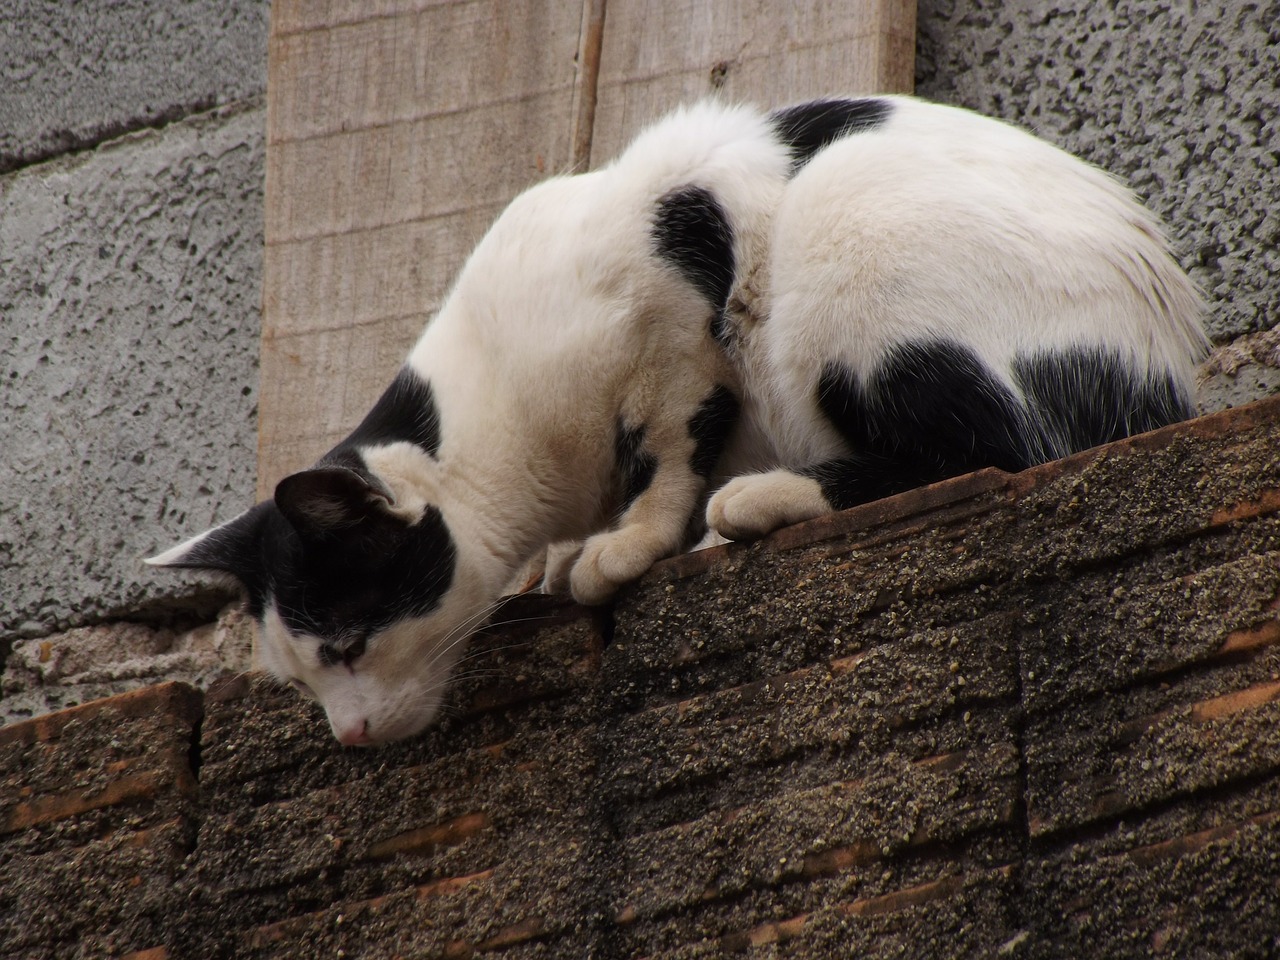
x,y
609,560
747,508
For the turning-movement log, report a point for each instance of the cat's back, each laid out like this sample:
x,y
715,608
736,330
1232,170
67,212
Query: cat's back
x,y
936,221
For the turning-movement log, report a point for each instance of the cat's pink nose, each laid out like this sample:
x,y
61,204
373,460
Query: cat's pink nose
x,y
354,734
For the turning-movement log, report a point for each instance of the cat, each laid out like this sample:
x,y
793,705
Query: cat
x,y
822,305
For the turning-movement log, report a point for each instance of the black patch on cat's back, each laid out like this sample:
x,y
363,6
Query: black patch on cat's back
x,y
1084,397
929,411
692,233
807,128
635,465
932,410
709,427
406,411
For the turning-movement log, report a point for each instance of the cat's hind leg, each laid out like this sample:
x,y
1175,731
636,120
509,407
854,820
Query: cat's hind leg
x,y
929,411
750,506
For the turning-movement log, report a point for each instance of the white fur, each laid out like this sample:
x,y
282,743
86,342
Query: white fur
x,y
942,223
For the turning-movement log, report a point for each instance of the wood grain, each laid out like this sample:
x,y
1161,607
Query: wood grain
x,y
396,131
657,55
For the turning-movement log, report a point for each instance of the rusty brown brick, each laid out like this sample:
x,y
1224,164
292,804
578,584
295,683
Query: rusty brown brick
x,y
172,773
1036,713
424,841
177,701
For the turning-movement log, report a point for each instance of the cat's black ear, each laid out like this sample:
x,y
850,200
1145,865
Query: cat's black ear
x,y
233,547
328,501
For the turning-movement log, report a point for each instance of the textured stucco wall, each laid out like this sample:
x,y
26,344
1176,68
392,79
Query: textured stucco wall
x,y
75,74
1180,100
130,268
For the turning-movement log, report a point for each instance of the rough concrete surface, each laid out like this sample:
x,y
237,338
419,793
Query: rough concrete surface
x,y
75,74
64,670
1240,371
129,286
1180,100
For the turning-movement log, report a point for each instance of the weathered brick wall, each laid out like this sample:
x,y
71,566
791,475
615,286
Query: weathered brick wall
x,y
1026,716
98,814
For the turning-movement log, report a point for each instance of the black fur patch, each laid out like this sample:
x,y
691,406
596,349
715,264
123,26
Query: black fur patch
x,y
692,233
345,590
936,400
405,411
341,589
861,478
930,411
341,576
234,548
809,127
636,465
1083,398
710,426
335,498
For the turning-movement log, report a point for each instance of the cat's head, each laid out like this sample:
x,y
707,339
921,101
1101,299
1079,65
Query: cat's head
x,y
361,603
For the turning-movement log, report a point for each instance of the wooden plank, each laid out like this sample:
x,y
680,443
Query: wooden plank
x,y
396,131
590,43
659,54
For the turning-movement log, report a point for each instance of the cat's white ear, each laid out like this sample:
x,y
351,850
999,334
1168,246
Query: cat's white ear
x,y
329,500
231,547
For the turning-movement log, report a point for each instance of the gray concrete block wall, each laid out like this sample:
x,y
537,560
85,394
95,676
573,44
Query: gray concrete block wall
x,y
1182,101
130,289
75,75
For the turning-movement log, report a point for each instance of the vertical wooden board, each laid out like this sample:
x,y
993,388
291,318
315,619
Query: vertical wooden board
x,y
659,53
396,131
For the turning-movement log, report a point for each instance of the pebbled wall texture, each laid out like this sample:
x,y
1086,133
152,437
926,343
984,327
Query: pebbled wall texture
x,y
131,172
77,75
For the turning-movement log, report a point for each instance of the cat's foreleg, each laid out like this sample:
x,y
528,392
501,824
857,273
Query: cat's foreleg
x,y
652,527
663,467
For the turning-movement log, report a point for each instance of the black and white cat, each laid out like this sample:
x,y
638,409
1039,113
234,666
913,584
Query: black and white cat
x,y
830,303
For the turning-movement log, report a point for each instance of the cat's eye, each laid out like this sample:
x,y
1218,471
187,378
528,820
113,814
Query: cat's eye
x,y
332,655
302,688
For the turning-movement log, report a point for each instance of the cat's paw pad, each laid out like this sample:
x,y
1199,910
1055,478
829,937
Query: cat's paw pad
x,y
608,561
747,508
